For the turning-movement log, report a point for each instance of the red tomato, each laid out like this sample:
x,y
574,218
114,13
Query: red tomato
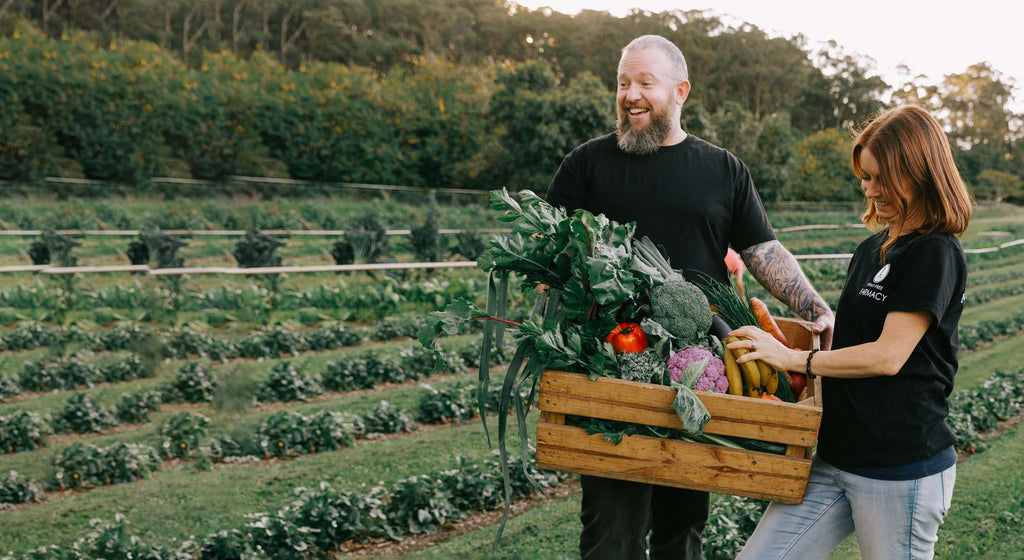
x,y
627,337
797,382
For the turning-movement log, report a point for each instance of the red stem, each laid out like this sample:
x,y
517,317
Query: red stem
x,y
500,320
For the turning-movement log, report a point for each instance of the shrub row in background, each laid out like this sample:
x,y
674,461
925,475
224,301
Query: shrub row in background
x,y
271,342
83,465
284,434
36,335
972,336
266,342
16,489
362,300
23,431
980,296
73,372
289,433
184,342
316,521
979,411
418,504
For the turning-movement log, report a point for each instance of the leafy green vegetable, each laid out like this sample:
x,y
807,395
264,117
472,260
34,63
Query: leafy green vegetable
x,y
597,275
691,411
646,367
726,302
681,308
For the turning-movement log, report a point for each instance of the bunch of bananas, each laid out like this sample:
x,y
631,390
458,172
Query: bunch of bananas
x,y
751,379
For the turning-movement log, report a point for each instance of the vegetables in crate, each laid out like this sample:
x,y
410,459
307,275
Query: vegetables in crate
x,y
599,277
758,377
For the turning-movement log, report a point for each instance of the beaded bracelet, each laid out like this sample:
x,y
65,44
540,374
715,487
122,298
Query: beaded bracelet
x,y
809,356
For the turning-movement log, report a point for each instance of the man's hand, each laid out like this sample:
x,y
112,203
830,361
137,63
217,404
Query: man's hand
x,y
541,288
823,328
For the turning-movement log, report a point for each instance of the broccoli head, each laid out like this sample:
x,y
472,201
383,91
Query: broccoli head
x,y
646,366
682,309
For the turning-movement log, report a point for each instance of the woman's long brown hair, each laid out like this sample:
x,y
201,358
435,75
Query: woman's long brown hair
x,y
915,162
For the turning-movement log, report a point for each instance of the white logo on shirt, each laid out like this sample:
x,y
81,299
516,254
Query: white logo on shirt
x,y
882,274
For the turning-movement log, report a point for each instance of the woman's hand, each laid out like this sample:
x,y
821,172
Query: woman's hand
x,y
763,346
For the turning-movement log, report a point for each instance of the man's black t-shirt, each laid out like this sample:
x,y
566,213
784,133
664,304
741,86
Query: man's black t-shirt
x,y
889,421
693,198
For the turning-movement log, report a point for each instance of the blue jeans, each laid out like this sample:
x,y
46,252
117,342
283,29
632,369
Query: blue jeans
x,y
893,519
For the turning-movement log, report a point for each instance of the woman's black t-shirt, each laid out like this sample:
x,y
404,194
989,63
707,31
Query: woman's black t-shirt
x,y
693,198
889,421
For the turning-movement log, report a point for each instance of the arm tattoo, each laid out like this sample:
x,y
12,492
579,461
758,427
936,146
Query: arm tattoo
x,y
776,269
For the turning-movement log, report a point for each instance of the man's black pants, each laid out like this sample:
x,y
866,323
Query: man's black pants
x,y
617,516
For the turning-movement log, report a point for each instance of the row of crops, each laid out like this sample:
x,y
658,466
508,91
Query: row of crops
x,y
308,422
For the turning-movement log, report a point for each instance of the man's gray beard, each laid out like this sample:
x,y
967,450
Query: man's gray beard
x,y
648,139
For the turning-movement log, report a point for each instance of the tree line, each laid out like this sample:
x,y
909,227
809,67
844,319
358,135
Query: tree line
x,y
468,93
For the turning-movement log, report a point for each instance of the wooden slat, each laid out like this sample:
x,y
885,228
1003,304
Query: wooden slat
x,y
675,463
645,403
798,334
551,418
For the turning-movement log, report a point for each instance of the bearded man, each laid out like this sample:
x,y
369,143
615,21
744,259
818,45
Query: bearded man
x,y
696,200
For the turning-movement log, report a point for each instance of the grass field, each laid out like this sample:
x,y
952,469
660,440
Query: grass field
x,y
182,501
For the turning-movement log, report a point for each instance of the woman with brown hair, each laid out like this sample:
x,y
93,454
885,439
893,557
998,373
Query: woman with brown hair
x,y
885,464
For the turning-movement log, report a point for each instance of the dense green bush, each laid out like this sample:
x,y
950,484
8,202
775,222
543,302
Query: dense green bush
x,y
469,244
271,342
348,374
16,489
366,238
257,250
8,387
181,434
161,249
331,337
386,419
820,168
26,337
82,465
288,433
135,407
446,405
422,502
428,245
390,328
82,415
192,384
60,374
287,384
22,431
125,369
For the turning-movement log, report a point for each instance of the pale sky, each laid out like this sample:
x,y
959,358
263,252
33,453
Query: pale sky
x,y
931,37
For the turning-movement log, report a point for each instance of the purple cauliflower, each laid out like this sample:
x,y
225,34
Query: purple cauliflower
x,y
713,378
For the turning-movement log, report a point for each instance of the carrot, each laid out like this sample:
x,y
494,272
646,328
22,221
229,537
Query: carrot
x,y
766,321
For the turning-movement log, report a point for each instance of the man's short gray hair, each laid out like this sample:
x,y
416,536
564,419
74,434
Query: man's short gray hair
x,y
676,60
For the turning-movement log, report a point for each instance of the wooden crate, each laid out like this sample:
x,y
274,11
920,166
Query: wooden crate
x,y
682,464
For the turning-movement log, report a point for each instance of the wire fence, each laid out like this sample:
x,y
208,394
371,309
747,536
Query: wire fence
x,y
47,269
227,232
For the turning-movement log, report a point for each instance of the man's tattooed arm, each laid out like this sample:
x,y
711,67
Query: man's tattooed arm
x,y
777,270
